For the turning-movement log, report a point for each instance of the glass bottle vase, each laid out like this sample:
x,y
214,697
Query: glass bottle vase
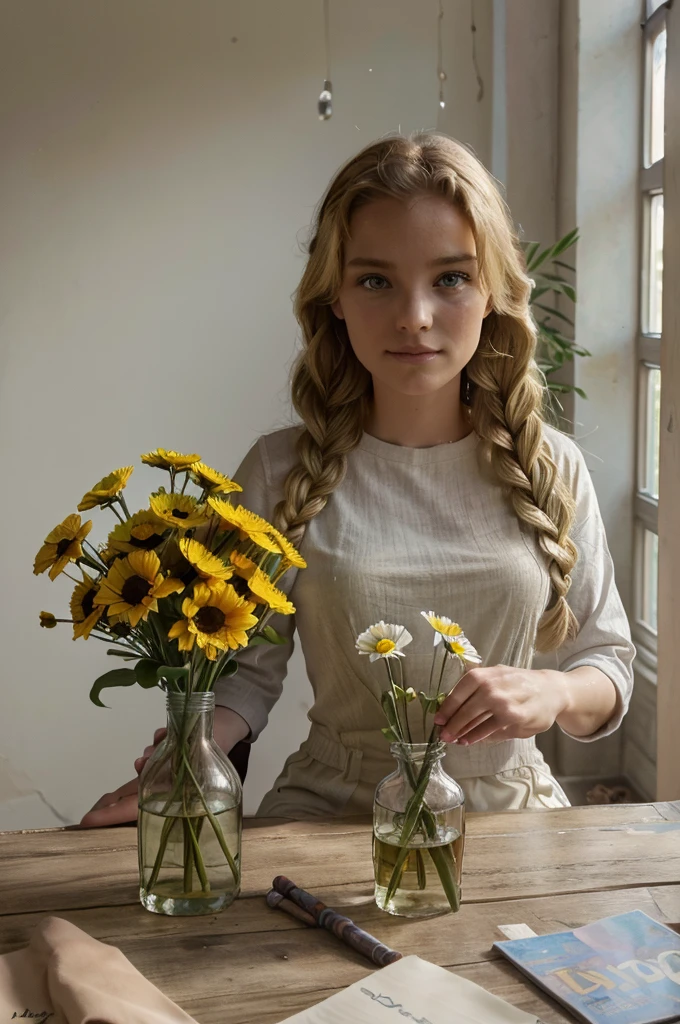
x,y
418,834
190,816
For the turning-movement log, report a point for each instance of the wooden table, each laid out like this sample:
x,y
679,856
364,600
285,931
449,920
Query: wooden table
x,y
251,965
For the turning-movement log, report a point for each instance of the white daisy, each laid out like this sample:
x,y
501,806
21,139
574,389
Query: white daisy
x,y
444,628
383,640
460,647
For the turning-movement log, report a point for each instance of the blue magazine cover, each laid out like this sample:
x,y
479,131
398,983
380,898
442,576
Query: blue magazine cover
x,y
620,970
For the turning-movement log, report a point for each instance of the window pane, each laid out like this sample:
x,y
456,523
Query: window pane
x,y
655,266
657,88
650,579
651,441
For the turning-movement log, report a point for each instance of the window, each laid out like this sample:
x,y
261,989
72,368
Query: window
x,y
649,347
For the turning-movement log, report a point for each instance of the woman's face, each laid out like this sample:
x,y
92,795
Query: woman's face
x,y
410,296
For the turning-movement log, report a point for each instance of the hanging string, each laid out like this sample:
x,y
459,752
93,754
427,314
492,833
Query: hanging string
x,y
325,102
441,74
475,63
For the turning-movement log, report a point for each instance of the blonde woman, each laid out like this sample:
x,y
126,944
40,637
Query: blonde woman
x,y
423,477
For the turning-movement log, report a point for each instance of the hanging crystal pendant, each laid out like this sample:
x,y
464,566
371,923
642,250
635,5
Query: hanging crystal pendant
x,y
325,104
442,79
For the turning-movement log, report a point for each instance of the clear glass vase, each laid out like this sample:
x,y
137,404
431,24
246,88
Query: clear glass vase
x,y
190,817
418,834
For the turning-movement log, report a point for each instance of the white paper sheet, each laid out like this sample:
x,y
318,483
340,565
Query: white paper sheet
x,y
417,991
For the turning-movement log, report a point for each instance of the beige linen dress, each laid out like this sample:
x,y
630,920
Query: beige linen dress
x,y
413,529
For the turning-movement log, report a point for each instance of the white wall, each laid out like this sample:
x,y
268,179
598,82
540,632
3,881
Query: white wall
x,y
154,182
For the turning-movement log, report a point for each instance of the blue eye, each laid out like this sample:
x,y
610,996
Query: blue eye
x,y
457,276
373,277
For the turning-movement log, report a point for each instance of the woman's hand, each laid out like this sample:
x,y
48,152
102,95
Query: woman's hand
x,y
502,703
120,807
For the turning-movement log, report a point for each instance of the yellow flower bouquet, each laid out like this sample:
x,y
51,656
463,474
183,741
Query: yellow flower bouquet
x,y
177,591
419,814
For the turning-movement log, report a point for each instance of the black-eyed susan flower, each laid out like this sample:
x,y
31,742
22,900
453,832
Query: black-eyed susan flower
x,y
180,511
249,525
142,531
106,489
264,591
133,586
206,564
383,640
444,628
83,611
211,480
48,620
62,545
162,458
243,566
217,617
290,553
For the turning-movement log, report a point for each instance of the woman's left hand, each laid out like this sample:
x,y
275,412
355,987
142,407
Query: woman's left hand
x,y
502,703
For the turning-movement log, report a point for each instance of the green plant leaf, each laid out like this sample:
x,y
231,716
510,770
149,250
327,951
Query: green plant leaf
x,y
146,671
529,253
116,677
389,706
272,636
169,672
565,266
131,656
230,669
390,735
565,243
554,312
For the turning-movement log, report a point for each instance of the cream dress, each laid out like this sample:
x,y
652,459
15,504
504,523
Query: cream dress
x,y
413,529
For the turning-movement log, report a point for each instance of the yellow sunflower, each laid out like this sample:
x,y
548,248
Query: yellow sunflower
x,y
180,511
211,480
133,586
244,567
250,526
290,553
206,564
266,593
62,545
107,488
143,530
83,612
217,617
163,459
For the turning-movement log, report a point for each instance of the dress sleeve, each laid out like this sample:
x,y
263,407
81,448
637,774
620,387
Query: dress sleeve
x,y
257,685
603,640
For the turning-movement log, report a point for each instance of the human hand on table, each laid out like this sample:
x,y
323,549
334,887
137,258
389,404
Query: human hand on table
x,y
120,807
502,703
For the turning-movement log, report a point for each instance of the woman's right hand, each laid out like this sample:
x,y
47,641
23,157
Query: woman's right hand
x,y
120,807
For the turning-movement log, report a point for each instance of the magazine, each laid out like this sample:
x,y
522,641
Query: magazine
x,y
620,970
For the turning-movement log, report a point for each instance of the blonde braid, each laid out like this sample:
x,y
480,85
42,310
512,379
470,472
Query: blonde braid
x,y
506,413
331,402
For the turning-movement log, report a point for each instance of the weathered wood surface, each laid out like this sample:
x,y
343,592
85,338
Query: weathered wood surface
x,y
252,965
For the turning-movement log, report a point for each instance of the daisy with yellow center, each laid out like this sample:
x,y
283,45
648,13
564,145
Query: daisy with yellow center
x,y
216,618
207,565
290,553
264,590
461,648
83,612
444,629
162,458
144,530
383,640
249,525
180,511
133,586
106,489
62,545
244,567
211,480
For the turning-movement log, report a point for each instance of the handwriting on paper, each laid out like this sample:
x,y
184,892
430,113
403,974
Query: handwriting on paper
x,y
389,1004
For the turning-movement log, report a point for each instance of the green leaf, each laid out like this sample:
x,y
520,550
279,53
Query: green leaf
x,y
389,706
272,636
554,312
169,672
257,641
565,266
230,669
116,677
390,735
146,671
565,243
129,656
531,250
